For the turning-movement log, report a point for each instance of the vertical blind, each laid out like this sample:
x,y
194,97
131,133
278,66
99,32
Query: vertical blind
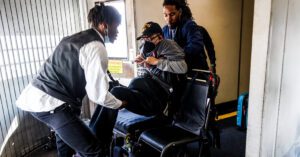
x,y
29,31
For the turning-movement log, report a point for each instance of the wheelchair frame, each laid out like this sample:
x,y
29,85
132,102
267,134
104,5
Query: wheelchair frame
x,y
130,143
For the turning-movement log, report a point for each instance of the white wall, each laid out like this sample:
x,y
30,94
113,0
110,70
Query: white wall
x,y
274,111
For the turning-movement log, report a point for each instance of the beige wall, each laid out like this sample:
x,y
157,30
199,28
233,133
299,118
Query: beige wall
x,y
145,11
222,18
246,45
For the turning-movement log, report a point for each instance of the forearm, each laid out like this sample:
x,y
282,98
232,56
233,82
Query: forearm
x,y
178,67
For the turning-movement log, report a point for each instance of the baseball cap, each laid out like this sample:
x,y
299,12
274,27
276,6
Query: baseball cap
x,y
149,29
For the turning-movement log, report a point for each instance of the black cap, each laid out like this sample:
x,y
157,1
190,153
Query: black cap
x,y
149,29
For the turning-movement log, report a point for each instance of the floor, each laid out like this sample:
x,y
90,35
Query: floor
x,y
233,141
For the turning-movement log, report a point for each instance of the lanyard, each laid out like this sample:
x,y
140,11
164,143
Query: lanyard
x,y
172,33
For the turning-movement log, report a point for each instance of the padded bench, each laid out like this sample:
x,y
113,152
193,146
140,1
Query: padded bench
x,y
131,123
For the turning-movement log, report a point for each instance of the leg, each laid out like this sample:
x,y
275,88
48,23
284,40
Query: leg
x,y
103,119
72,131
138,102
63,149
102,123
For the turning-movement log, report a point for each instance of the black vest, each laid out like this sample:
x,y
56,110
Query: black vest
x,y
61,76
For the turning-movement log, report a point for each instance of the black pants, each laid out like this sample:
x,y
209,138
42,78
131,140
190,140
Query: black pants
x,y
71,132
144,96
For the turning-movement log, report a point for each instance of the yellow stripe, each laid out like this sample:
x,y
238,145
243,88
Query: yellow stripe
x,y
228,115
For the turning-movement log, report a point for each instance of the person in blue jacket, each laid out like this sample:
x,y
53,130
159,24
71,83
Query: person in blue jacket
x,y
184,30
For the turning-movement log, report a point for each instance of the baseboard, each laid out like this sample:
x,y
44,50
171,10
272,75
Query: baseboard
x,y
226,107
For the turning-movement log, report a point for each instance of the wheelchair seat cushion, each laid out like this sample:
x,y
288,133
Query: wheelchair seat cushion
x,y
159,138
129,122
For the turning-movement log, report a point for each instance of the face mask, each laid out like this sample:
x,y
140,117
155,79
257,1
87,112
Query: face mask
x,y
147,47
106,38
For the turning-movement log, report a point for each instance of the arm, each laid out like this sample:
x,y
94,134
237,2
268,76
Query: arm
x,y
209,46
172,59
194,41
93,59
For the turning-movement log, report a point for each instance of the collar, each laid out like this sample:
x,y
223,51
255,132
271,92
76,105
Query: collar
x,y
100,35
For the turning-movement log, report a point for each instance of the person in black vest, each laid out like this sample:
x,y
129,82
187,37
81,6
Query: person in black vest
x,y
184,30
77,67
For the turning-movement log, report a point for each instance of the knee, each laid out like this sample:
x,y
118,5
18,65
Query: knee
x,y
118,92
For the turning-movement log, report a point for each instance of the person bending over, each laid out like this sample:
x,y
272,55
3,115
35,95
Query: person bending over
x,y
77,67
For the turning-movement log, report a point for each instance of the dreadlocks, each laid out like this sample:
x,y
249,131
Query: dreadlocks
x,y
102,13
180,5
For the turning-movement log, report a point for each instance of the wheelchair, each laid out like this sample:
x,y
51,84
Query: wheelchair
x,y
135,134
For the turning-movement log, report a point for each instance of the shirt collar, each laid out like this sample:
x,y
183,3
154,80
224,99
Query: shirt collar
x,y
99,34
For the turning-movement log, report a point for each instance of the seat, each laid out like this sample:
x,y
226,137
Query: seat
x,y
128,128
190,123
131,123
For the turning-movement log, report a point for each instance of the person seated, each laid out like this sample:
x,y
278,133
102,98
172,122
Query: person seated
x,y
147,95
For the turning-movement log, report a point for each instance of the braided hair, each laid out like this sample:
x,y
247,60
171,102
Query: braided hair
x,y
101,13
181,5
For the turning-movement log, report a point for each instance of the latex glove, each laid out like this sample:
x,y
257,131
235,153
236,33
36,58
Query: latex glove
x,y
212,68
139,59
152,60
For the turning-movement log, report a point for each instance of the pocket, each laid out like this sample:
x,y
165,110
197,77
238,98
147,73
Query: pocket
x,y
60,108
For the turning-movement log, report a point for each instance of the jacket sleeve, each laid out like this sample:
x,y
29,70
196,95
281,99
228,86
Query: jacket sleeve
x,y
209,46
194,40
93,59
172,57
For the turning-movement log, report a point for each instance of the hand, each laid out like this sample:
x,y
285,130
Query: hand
x,y
152,60
212,69
139,59
123,105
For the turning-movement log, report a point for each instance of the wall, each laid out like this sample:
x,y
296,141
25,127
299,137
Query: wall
x,y
246,43
222,18
274,111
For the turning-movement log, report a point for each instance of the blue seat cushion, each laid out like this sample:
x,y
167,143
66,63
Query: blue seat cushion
x,y
129,122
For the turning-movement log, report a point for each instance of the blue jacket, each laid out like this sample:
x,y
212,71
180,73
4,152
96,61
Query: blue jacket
x,y
189,37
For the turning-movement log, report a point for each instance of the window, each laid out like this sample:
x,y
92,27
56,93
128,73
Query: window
x,y
119,48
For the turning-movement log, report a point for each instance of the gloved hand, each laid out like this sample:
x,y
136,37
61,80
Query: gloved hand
x,y
212,68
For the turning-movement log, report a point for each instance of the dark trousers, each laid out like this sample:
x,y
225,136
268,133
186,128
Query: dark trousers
x,y
144,97
71,130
